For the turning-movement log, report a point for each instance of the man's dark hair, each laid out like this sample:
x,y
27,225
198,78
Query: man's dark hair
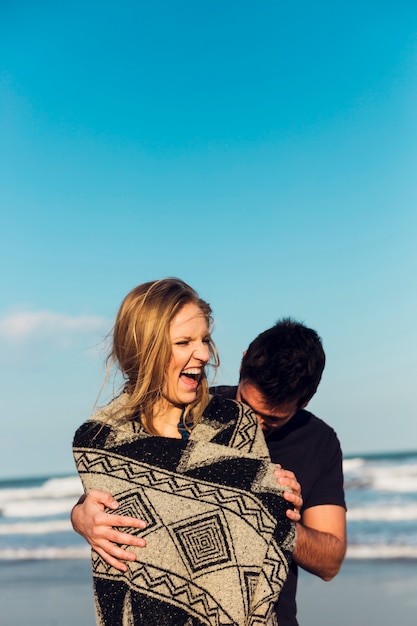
x,y
285,363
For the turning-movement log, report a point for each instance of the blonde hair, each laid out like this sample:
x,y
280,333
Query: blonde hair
x,y
141,346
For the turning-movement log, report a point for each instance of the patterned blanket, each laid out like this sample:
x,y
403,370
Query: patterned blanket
x,y
218,540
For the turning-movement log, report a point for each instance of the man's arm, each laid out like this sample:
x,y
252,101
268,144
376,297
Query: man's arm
x,y
89,519
321,540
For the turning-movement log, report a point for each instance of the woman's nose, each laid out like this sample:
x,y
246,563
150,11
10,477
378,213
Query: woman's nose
x,y
202,353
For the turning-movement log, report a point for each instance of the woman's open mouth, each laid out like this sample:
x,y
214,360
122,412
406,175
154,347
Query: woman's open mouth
x,y
191,376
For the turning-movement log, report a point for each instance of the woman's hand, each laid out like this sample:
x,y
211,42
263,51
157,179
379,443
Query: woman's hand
x,y
287,478
90,520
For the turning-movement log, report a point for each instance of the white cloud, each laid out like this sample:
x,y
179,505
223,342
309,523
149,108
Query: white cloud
x,y
26,324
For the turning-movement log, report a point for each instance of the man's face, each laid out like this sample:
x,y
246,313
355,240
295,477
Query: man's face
x,y
269,418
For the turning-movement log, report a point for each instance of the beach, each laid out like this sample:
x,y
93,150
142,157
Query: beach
x,y
45,577
365,593
46,593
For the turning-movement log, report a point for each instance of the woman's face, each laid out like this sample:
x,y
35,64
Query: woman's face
x,y
190,337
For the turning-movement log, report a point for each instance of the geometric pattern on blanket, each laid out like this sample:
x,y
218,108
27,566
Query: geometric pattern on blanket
x,y
218,540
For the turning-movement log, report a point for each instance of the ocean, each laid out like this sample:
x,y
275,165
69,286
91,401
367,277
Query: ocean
x,y
381,493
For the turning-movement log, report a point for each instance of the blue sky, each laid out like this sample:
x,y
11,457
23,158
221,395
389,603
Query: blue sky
x,y
264,152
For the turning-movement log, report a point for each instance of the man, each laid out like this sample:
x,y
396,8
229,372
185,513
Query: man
x,y
279,375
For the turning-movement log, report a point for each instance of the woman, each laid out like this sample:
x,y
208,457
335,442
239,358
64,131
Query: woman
x,y
218,542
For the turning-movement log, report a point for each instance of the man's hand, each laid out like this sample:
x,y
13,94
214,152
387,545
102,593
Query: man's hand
x,y
89,519
287,478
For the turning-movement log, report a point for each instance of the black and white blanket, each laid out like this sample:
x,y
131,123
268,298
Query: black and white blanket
x,y
218,540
